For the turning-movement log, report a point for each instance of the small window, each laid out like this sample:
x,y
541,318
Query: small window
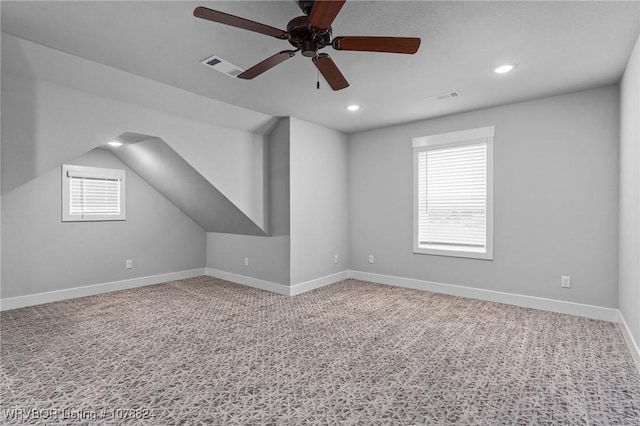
x,y
453,194
92,193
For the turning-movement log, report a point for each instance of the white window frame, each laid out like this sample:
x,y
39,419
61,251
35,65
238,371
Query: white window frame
x,y
464,137
69,171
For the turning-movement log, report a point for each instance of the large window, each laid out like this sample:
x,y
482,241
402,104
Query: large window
x,y
92,193
453,194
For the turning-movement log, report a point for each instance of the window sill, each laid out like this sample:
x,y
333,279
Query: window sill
x,y
469,254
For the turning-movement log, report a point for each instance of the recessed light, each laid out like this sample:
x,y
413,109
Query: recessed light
x,y
353,108
115,143
503,69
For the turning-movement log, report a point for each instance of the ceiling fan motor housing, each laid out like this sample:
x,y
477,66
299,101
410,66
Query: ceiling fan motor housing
x,y
301,37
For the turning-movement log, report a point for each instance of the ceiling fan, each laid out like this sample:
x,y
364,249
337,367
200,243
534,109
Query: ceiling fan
x,y
309,34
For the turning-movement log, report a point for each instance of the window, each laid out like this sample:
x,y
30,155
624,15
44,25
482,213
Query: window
x,y
453,194
91,193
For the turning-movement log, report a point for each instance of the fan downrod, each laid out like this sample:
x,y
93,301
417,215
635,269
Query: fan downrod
x,y
306,6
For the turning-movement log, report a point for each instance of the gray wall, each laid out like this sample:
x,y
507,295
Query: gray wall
x,y
40,253
556,188
308,206
269,257
53,112
556,198
629,246
319,200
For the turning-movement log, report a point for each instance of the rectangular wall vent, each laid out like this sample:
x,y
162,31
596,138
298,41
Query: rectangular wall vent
x,y
219,64
443,96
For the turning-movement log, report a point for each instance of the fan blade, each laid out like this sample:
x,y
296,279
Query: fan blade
x,y
267,64
330,71
407,45
235,21
323,14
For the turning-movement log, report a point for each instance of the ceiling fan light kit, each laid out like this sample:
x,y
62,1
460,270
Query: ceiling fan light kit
x,y
308,34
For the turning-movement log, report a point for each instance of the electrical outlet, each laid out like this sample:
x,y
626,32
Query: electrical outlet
x,y
566,281
129,264
246,261
335,258
370,258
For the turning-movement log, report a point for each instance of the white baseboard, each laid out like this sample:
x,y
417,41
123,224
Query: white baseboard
x,y
559,306
631,342
283,289
90,290
317,283
589,311
249,281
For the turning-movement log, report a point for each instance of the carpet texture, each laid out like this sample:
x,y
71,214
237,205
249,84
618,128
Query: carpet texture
x,y
206,351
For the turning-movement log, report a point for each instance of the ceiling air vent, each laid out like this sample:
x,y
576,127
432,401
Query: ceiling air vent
x,y
219,64
443,96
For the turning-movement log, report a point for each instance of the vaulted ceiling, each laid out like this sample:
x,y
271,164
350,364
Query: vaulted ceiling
x,y
558,46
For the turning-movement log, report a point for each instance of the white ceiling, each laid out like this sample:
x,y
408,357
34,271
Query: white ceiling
x,y
559,46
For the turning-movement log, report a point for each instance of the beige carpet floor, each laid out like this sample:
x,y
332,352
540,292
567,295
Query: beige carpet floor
x,y
206,351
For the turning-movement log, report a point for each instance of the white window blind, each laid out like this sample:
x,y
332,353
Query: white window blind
x,y
453,195
91,193
94,196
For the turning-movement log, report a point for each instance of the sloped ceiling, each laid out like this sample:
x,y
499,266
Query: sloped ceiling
x,y
169,174
559,46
